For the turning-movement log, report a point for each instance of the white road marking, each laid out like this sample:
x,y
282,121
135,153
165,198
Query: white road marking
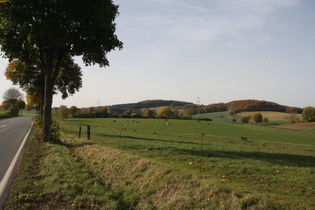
x,y
5,180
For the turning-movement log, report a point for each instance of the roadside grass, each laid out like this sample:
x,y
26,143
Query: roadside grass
x,y
50,177
275,167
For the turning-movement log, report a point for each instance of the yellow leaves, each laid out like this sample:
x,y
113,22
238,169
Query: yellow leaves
x,y
15,70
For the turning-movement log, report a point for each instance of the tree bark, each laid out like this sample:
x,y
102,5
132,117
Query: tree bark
x,y
47,104
52,71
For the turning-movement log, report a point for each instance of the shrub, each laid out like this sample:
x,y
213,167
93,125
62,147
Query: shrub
x,y
244,119
308,114
265,120
14,110
257,118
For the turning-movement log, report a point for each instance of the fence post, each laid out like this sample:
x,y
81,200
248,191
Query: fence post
x,y
88,132
80,131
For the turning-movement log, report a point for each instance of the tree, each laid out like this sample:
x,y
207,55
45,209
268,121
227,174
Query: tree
x,y
29,107
33,100
63,112
103,111
258,118
189,112
12,96
49,31
90,110
128,112
148,113
244,119
73,110
14,110
265,120
166,112
308,114
31,78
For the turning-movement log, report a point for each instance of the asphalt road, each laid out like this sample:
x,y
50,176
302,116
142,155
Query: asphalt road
x,y
12,133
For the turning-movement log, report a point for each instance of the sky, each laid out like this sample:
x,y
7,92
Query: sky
x,y
205,51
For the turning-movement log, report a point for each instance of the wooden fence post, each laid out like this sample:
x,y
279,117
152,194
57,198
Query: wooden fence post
x,y
88,132
80,131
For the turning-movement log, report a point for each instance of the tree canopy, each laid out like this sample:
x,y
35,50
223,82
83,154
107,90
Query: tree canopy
x,y
31,78
166,112
12,96
50,31
258,118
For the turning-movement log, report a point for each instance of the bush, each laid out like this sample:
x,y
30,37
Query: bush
x,y
54,132
14,110
308,114
258,118
244,119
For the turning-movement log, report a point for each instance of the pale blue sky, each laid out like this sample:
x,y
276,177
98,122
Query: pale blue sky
x,y
217,50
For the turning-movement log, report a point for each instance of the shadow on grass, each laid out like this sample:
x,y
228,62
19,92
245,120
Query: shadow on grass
x,y
273,158
147,139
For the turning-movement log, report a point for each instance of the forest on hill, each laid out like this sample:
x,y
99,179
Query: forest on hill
x,y
120,108
233,107
249,105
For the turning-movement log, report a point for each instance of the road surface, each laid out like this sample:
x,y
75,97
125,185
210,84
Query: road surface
x,y
12,133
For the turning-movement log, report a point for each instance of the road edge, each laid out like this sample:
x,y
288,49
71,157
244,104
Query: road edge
x,y
6,180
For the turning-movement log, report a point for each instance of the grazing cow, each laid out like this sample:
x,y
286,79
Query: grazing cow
x,y
168,124
244,139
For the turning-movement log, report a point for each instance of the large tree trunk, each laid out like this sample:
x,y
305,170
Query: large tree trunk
x,y
52,69
47,104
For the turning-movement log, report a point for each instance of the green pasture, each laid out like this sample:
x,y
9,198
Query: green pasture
x,y
275,163
215,116
274,118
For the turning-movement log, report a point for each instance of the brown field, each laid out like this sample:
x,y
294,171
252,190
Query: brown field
x,y
300,126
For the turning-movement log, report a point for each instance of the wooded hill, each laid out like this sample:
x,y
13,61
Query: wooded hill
x,y
233,106
120,108
249,105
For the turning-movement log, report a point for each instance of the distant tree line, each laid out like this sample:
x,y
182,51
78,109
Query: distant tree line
x,y
233,107
103,112
249,105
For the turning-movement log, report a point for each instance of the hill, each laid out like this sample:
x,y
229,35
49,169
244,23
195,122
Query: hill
x,y
120,108
249,105
232,107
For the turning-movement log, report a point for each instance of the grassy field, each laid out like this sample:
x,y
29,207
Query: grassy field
x,y
177,164
273,117
276,164
215,116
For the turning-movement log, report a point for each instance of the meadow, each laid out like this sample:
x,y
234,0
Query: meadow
x,y
275,168
275,118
